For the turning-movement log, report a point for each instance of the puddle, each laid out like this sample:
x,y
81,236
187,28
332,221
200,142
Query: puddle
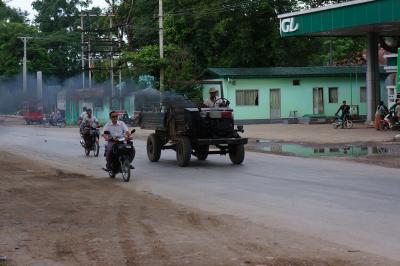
x,y
323,150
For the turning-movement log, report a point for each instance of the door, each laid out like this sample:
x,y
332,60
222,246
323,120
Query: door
x,y
275,103
318,101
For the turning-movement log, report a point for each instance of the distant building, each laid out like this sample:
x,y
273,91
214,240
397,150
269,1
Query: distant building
x,y
267,95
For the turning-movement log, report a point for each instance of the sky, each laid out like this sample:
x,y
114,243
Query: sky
x,y
26,5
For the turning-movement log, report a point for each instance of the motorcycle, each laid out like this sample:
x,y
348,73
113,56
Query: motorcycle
x,y
339,123
90,143
389,122
122,156
60,122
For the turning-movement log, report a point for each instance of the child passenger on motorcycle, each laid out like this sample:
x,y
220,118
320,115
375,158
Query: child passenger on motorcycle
x,y
115,129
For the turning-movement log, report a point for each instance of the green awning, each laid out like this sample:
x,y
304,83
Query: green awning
x,y
353,18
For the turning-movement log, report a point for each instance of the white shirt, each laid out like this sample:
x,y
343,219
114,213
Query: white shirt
x,y
89,121
83,115
116,131
210,103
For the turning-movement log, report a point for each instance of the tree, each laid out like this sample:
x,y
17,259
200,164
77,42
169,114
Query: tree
x,y
9,14
57,15
59,22
180,69
343,51
318,3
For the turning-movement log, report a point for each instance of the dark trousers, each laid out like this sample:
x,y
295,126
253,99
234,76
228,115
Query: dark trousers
x,y
109,153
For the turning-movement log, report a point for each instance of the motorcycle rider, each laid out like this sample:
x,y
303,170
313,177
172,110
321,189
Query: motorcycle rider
x,y
89,121
345,112
115,129
82,116
392,116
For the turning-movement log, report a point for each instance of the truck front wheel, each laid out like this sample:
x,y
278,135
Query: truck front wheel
x,y
183,151
153,147
236,153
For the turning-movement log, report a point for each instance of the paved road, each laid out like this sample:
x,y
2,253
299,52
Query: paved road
x,y
352,204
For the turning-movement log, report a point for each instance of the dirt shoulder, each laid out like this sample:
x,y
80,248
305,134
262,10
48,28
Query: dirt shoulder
x,y
49,217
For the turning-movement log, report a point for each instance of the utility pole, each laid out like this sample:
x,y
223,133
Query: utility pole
x,y
83,51
111,57
90,64
24,67
161,27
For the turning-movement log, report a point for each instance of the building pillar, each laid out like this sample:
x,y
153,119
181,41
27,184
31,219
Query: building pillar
x,y
373,75
39,85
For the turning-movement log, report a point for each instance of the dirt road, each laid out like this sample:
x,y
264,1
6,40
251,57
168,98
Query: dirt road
x,y
49,217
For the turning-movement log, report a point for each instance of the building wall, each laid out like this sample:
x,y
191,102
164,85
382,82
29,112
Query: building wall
x,y
75,107
293,98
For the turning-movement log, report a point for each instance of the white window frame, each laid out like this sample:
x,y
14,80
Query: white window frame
x,y
243,92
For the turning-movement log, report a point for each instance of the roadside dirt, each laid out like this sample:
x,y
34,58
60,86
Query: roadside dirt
x,y
49,217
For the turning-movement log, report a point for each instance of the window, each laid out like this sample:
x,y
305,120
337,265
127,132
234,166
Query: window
x,y
333,95
296,82
363,94
246,97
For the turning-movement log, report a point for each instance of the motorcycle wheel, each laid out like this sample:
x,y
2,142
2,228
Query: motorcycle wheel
x,y
87,152
111,174
62,125
349,124
125,169
96,150
385,127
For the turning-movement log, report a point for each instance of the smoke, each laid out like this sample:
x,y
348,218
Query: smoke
x,y
149,99
12,98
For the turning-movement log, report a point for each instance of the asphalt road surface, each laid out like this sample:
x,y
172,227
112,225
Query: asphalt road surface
x,y
347,203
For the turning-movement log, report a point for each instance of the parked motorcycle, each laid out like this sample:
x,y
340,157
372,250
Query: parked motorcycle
x,y
90,142
339,123
55,123
122,156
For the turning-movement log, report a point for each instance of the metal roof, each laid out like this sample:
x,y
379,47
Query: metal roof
x,y
353,18
282,72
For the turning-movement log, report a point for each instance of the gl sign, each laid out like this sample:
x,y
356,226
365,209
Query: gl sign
x,y
289,25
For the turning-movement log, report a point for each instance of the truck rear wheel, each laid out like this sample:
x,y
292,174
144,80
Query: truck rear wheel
x,y
236,153
202,152
153,147
183,151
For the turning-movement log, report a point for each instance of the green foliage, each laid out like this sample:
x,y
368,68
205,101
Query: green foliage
x,y
180,69
11,47
9,14
318,3
233,33
343,51
198,34
56,15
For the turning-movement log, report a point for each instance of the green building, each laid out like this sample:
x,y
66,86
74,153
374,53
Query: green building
x,y
265,95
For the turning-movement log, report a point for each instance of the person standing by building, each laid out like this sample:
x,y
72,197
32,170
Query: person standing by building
x,y
380,114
